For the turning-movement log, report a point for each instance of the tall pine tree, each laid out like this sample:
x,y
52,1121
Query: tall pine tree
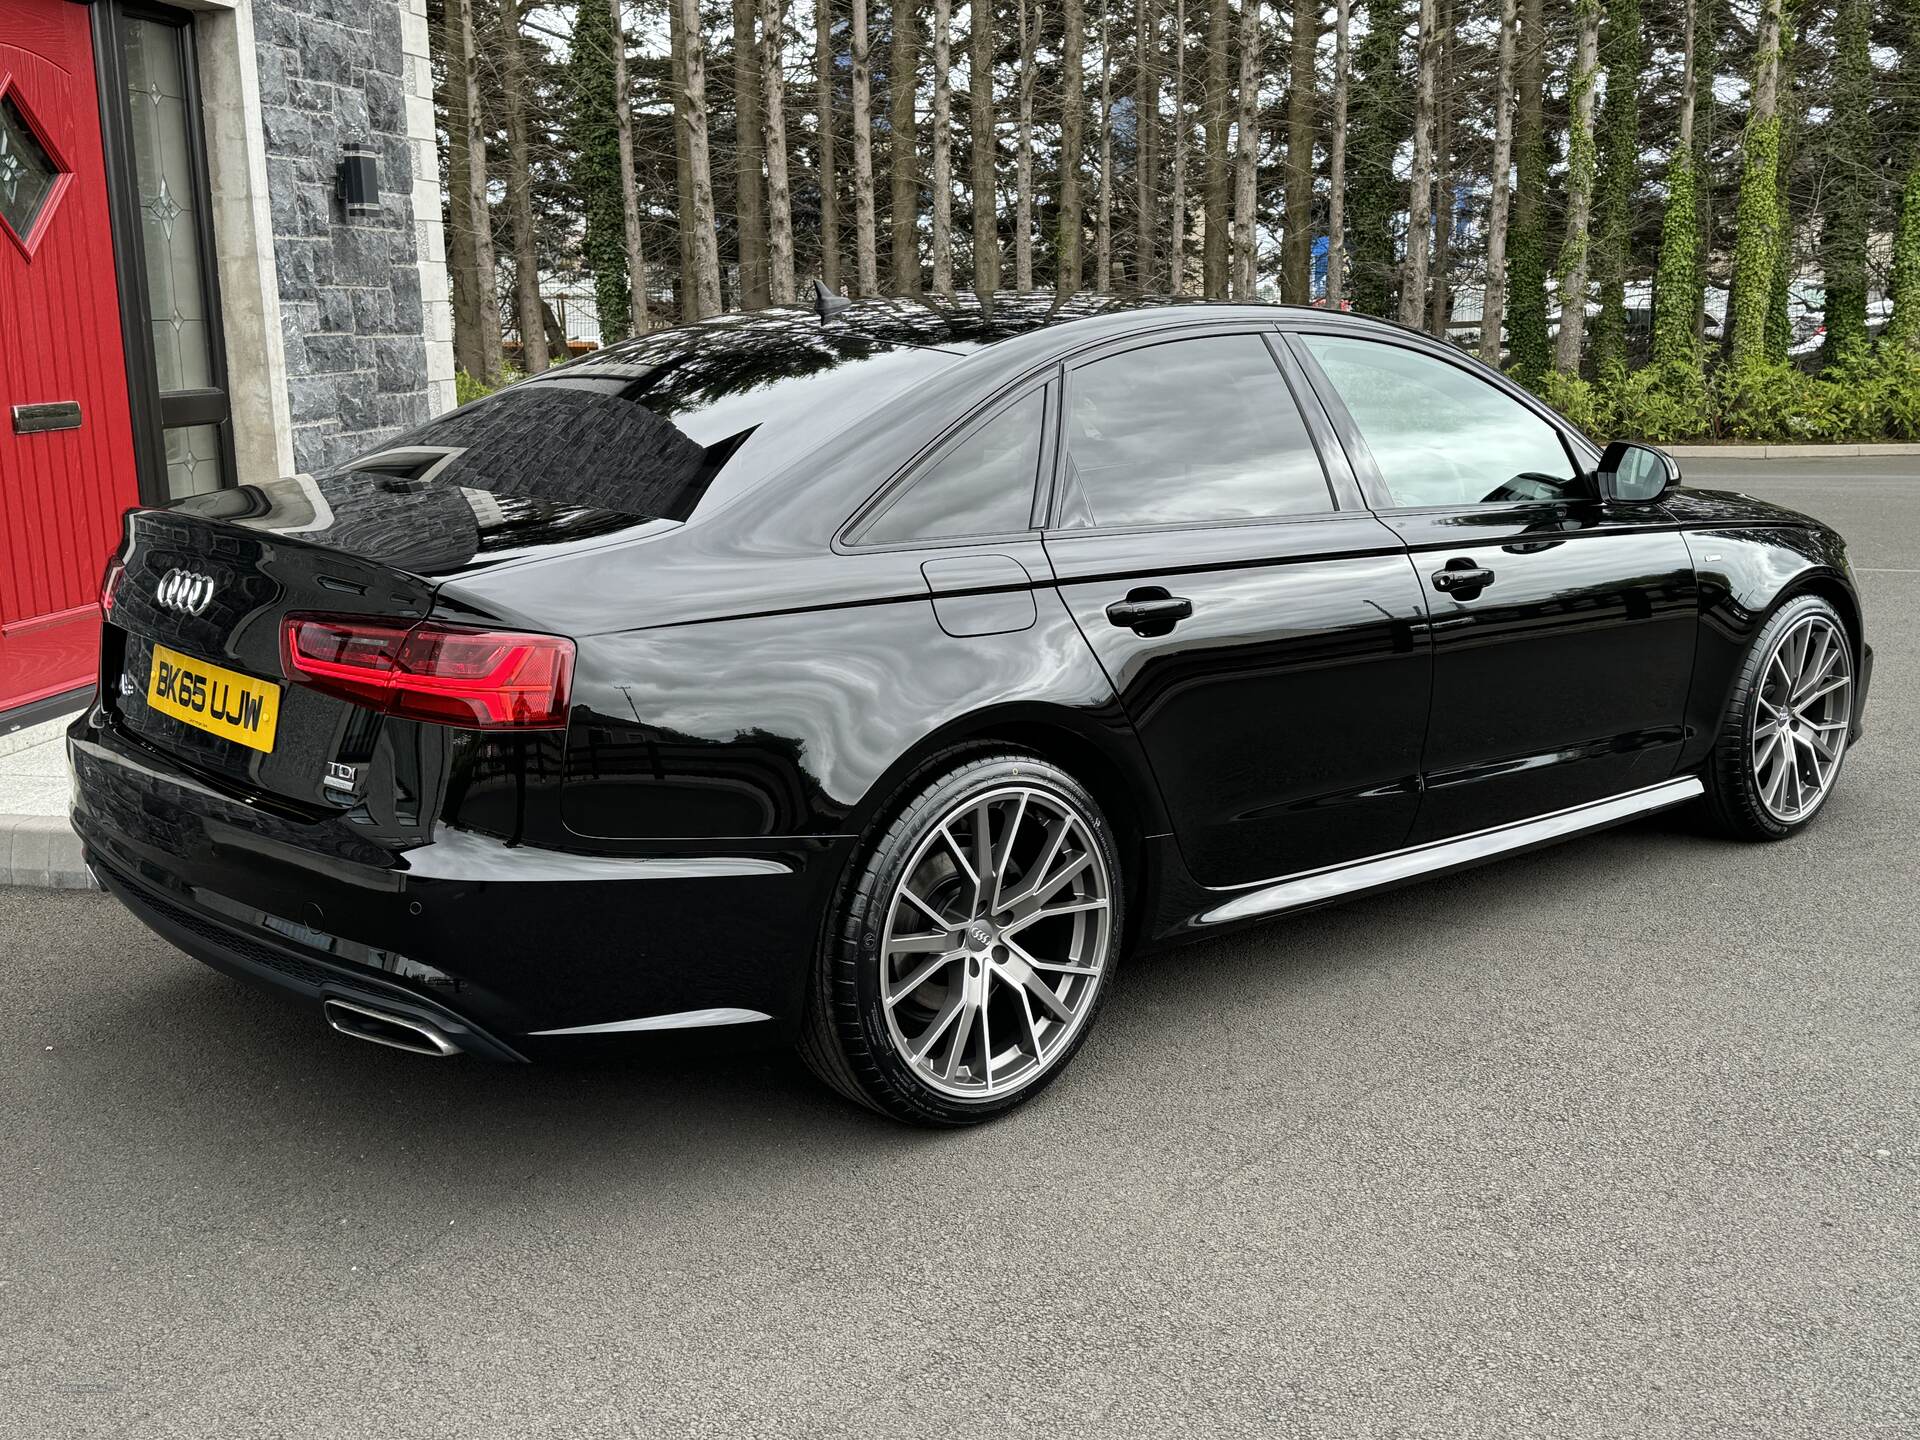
x,y
1377,125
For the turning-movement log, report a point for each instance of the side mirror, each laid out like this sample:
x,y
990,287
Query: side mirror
x,y
1635,474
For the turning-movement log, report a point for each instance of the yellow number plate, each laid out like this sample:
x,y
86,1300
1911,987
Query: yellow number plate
x,y
238,707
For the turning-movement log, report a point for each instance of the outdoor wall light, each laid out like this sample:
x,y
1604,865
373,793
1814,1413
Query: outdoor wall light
x,y
358,181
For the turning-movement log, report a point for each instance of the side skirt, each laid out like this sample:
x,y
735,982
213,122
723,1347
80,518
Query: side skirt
x,y
1337,882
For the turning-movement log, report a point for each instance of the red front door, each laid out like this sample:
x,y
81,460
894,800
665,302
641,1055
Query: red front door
x,y
66,442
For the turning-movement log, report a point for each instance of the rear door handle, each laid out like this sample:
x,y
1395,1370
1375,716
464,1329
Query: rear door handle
x,y
1462,578
1149,610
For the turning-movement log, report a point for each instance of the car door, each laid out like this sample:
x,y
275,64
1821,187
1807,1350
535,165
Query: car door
x,y
1262,629
1563,626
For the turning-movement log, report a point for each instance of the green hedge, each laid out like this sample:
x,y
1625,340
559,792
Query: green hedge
x,y
1874,396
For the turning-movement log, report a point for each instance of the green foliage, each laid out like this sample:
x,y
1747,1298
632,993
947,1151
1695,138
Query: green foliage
x,y
1903,330
1529,348
1375,129
1872,395
1618,180
594,133
1850,201
466,388
1676,282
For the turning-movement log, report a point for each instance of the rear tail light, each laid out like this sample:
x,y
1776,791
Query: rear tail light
x,y
448,674
110,583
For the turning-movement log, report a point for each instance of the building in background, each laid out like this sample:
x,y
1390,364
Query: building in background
x,y
220,260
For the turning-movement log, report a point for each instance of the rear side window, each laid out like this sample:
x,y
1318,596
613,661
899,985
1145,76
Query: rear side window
x,y
1186,432
980,485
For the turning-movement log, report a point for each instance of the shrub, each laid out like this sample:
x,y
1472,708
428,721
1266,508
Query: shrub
x,y
466,388
1663,403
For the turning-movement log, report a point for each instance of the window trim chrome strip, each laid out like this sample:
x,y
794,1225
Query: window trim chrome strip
x,y
1336,882
679,1020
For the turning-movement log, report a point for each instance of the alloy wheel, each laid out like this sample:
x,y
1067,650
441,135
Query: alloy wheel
x,y
1802,711
996,942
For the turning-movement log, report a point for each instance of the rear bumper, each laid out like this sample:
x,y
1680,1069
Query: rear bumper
x,y
497,945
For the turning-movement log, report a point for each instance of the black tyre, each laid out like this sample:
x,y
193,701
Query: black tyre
x,y
975,941
1784,736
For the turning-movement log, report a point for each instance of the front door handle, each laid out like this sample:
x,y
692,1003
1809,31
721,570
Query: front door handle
x,y
1149,610
1462,579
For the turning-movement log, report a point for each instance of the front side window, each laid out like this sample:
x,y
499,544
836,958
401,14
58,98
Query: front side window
x,y
1186,432
1439,435
981,486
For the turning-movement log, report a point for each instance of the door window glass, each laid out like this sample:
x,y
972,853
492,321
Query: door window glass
x,y
981,486
27,172
1439,435
1187,432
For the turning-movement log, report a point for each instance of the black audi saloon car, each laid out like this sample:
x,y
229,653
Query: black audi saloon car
x,y
874,678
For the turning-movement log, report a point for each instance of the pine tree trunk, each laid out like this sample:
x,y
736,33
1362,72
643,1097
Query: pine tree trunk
x,y
1580,174
1413,283
773,80
1337,159
829,175
450,92
1072,144
1296,267
1177,202
986,221
477,215
1529,353
526,255
629,182
1213,240
1757,221
1103,225
705,243
866,258
1146,109
1023,153
687,300
749,185
1246,155
1440,309
942,150
903,158
1493,302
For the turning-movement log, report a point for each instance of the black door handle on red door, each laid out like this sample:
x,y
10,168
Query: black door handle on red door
x,y
1149,611
1462,578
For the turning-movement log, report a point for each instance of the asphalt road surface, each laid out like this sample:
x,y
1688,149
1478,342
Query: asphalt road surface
x,y
1617,1139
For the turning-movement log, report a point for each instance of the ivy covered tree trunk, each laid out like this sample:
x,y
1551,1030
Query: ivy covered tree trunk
x,y
1903,326
1493,303
1850,197
1757,220
1779,323
1580,175
1619,175
1528,352
596,141
1376,130
1676,283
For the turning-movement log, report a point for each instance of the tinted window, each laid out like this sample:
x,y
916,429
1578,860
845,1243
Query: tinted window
x,y
1439,435
983,485
1188,431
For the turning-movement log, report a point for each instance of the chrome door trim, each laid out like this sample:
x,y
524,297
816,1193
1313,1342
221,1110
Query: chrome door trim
x,y
1319,887
679,1020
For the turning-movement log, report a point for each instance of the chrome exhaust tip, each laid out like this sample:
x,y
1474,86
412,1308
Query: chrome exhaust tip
x,y
382,1027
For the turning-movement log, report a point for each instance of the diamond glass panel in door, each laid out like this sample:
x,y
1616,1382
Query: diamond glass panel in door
x,y
27,172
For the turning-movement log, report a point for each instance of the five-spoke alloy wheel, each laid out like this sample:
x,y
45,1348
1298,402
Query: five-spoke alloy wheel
x,y
979,937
